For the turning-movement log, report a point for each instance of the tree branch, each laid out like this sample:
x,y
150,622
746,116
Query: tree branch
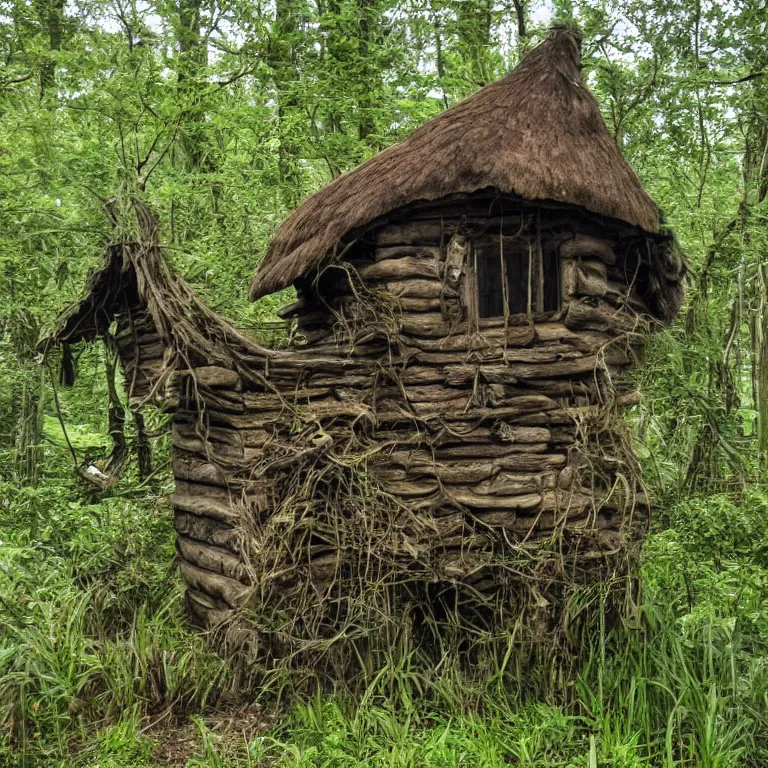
x,y
745,79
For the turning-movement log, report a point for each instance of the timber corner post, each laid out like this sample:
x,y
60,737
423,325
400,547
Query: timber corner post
x,y
436,462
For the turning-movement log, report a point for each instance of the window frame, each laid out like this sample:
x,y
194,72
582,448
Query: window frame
x,y
544,261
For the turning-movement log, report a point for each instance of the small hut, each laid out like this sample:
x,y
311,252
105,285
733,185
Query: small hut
x,y
438,449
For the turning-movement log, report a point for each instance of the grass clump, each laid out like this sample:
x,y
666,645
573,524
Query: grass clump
x,y
93,628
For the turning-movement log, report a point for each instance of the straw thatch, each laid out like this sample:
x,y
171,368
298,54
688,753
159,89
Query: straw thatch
x,y
537,133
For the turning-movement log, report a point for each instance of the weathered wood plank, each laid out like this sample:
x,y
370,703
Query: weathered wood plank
x,y
410,233
399,269
384,253
232,592
212,558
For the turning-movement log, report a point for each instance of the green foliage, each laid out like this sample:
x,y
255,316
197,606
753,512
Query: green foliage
x,y
92,628
81,436
223,116
96,663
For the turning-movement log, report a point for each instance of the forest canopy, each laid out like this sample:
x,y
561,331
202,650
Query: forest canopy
x,y
224,116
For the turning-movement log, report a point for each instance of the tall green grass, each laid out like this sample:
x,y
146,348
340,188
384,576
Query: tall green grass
x,y
97,665
92,626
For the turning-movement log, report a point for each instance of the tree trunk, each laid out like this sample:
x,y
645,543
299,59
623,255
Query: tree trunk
x,y
51,15
283,61
368,20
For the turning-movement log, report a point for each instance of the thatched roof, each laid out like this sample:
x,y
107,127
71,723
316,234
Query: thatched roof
x,y
537,134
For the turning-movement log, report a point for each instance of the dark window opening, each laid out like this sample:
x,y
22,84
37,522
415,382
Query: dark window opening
x,y
531,277
550,300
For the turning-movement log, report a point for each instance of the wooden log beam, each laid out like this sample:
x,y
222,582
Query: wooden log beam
x,y
402,268
248,496
407,304
204,611
408,489
464,375
148,370
196,471
147,349
411,375
410,233
189,429
220,587
490,451
420,393
330,408
514,483
209,531
567,503
193,399
196,445
299,359
212,558
518,404
384,253
388,409
502,432
544,419
481,415
495,518
469,498
212,376
584,387
559,333
419,460
601,316
584,246
486,352
138,326
496,341
417,289
203,507
512,373
584,278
